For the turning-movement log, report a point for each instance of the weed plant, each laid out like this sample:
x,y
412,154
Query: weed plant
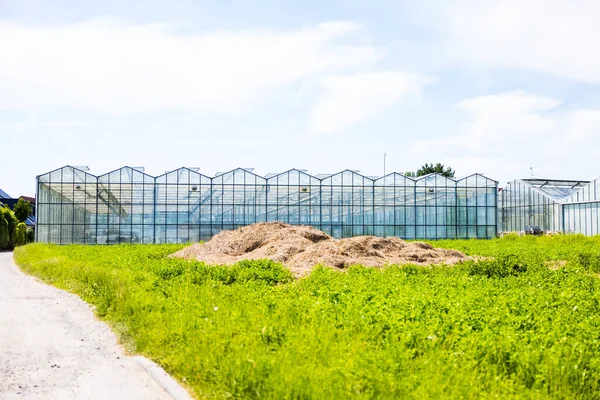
x,y
522,322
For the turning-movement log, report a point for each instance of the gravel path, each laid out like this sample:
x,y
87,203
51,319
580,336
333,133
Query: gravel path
x,y
53,347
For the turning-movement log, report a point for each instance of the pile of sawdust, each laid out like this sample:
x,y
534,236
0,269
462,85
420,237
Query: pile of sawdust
x,y
300,248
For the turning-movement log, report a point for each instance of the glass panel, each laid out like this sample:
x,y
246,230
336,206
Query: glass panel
x,y
129,206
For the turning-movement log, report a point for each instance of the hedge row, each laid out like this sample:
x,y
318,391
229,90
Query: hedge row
x,y
12,232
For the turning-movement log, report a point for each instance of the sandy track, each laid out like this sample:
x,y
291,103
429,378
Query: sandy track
x,y
52,347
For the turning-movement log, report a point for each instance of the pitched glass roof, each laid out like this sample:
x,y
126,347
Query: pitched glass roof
x,y
70,174
558,190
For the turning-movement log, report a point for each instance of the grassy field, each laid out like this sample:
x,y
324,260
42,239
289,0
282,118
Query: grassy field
x,y
515,326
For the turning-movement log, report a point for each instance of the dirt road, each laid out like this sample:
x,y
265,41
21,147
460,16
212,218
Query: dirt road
x,y
52,347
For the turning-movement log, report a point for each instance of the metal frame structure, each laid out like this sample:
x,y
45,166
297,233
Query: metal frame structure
x,y
129,206
581,211
553,205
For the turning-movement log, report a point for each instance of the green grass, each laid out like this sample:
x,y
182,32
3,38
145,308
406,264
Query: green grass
x,y
506,327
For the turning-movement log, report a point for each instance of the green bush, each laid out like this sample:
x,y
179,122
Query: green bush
x,y
22,210
12,221
590,260
30,235
4,236
21,234
501,267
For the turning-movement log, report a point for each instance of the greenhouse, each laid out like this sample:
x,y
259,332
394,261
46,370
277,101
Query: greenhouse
x,y
552,205
129,206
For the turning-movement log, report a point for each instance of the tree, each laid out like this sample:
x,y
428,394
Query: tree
x,y
4,237
21,234
437,169
30,235
410,174
22,210
9,217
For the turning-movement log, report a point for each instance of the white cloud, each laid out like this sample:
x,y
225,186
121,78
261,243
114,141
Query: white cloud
x,y
498,122
75,123
558,37
584,125
33,121
505,120
506,133
517,101
116,67
349,99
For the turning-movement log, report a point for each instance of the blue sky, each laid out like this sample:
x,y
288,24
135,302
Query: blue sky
x,y
488,86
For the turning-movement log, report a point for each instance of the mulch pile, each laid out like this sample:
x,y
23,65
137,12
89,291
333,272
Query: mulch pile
x,y
300,248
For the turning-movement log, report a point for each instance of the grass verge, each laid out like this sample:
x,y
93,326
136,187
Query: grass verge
x,y
507,328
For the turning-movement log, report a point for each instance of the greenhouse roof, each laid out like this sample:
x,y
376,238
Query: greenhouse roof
x,y
556,189
71,174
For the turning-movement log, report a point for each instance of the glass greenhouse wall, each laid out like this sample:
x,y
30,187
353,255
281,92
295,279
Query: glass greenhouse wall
x,y
553,205
526,202
129,206
582,211
582,218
